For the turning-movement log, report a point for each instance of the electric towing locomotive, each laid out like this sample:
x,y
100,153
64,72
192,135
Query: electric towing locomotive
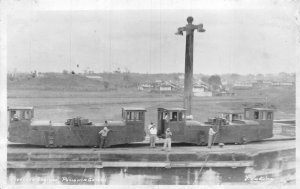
x,y
74,132
253,124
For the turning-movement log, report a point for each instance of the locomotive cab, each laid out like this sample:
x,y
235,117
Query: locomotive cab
x,y
232,116
19,119
264,117
259,114
20,113
134,119
173,118
130,115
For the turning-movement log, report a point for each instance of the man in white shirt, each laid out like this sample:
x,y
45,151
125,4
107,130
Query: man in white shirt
x,y
153,132
168,140
211,133
103,135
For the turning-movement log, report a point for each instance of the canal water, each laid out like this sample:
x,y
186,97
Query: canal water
x,y
148,176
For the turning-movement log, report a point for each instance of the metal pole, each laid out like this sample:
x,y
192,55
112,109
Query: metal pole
x,y
188,77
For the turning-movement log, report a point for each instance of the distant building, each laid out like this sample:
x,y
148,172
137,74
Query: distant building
x,y
223,93
201,90
145,87
286,84
242,85
158,86
167,87
94,77
181,77
224,82
262,84
39,74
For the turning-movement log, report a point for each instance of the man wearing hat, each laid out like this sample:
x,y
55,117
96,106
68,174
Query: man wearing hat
x,y
153,133
168,140
211,133
103,135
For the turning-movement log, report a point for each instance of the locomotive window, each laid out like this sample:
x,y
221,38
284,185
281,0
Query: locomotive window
x,y
247,115
260,115
166,116
136,115
174,116
27,114
241,116
264,115
227,117
180,116
269,116
256,115
22,115
129,116
141,115
12,114
235,117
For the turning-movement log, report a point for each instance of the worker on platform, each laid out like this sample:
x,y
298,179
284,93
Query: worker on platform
x,y
153,132
211,133
168,140
103,136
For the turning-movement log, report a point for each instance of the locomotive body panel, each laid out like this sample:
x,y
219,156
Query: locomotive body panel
x,y
76,131
232,130
257,124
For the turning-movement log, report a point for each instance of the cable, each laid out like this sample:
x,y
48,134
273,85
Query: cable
x,y
209,153
160,36
109,33
30,30
206,158
150,29
70,36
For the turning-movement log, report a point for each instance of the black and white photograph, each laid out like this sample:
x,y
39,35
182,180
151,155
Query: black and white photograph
x,y
149,93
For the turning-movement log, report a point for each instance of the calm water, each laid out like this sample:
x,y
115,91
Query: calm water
x,y
146,176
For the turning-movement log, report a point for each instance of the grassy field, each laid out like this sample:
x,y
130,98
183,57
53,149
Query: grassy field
x,y
59,97
99,106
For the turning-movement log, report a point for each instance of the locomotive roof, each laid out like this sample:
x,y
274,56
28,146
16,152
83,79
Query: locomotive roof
x,y
172,109
20,108
232,112
133,109
267,109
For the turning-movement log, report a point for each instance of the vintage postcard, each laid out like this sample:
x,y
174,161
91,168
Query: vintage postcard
x,y
152,93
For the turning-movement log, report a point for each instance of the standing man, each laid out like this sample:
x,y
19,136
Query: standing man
x,y
168,140
211,133
103,135
153,133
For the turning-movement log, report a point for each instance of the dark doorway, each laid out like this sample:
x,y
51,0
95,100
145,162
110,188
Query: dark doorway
x,y
162,122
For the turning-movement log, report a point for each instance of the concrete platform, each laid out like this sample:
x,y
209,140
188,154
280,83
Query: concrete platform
x,y
139,155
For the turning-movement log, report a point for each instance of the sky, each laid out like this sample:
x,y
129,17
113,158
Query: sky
x,y
242,36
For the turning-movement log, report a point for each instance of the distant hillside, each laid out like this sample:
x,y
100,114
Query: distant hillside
x,y
70,82
55,82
